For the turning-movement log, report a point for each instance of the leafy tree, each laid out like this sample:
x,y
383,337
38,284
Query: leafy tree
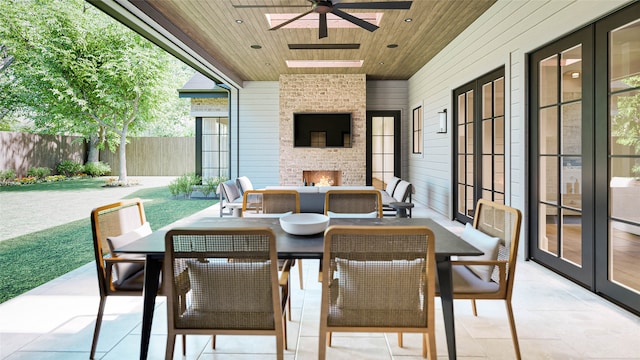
x,y
80,72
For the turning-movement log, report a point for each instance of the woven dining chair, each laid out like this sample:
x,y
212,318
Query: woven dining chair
x,y
272,203
112,226
225,281
353,203
378,279
496,231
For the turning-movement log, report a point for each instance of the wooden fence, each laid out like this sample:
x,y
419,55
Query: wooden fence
x,y
146,156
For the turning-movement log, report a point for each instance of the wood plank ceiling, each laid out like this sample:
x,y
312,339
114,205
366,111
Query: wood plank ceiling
x,y
213,26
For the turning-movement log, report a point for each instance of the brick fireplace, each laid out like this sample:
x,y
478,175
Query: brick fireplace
x,y
323,93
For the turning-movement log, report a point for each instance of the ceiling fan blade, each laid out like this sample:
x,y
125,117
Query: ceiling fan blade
x,y
381,5
291,20
322,26
352,19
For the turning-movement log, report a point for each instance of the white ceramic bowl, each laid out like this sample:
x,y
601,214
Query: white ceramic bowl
x,y
304,223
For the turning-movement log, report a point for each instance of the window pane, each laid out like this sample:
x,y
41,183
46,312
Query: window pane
x,y
572,182
498,97
461,139
572,236
572,128
624,60
548,229
376,126
469,176
572,73
487,137
549,131
461,169
549,81
388,125
625,123
487,100
498,135
548,179
624,195
470,108
498,173
462,113
469,138
487,171
623,241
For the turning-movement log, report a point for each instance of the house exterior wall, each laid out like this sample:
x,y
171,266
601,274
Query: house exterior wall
x,y
501,37
259,133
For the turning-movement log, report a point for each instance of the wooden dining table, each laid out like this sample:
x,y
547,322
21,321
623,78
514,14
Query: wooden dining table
x,y
290,246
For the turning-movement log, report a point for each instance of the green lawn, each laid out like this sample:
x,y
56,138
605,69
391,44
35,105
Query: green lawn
x,y
31,260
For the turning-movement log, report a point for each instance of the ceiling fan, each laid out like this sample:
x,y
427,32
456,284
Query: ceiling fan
x,y
323,7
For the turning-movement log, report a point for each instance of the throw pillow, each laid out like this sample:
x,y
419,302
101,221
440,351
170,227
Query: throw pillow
x,y
379,285
485,243
123,271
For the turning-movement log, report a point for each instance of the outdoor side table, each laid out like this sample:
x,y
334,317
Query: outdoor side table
x,y
401,208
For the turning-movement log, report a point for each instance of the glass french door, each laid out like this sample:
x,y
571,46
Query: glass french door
x,y
618,88
480,143
585,156
383,147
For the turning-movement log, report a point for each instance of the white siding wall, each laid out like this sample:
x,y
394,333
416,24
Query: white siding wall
x,y
259,116
393,95
501,37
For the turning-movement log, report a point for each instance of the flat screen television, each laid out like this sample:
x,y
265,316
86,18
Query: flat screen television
x,y
322,129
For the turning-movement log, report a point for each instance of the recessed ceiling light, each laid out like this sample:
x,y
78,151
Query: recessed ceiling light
x,y
256,47
392,46
408,20
323,63
239,21
381,63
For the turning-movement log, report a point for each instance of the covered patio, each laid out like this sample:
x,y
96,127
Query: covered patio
x,y
556,319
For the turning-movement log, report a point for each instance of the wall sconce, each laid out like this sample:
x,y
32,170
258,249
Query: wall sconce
x,y
442,116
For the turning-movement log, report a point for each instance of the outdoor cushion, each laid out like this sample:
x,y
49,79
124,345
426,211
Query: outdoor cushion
x,y
231,191
372,214
379,285
124,271
467,282
227,286
488,244
391,185
401,193
244,184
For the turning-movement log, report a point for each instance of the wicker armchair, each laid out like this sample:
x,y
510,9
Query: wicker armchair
x,y
224,281
378,279
353,203
114,225
496,231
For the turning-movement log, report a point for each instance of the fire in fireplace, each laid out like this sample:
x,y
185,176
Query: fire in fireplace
x,y
322,177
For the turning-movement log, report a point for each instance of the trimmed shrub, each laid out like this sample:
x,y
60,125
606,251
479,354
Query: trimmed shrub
x,y
97,169
184,184
39,172
210,184
7,176
69,168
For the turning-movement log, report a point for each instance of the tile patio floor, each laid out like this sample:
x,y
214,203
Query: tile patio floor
x,y
556,319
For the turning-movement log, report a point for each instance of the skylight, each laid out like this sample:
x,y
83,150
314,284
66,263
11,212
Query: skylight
x,y
311,21
323,63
